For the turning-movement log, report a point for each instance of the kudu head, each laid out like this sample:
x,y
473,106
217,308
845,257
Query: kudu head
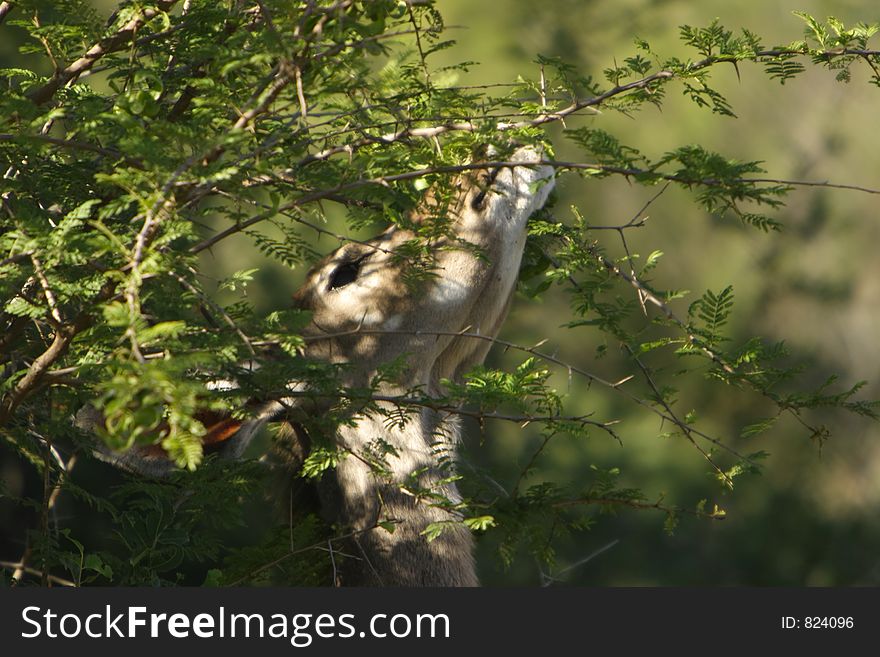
x,y
367,312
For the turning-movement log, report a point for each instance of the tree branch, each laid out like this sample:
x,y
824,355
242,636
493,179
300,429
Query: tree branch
x,y
313,196
638,504
63,336
105,46
533,351
75,145
39,368
577,106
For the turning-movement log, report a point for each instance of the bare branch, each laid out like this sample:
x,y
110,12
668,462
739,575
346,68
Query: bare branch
x,y
547,579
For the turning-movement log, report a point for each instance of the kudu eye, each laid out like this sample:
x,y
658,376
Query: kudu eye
x,y
345,273
487,180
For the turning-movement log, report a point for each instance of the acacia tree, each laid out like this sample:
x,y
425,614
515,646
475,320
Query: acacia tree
x,y
137,143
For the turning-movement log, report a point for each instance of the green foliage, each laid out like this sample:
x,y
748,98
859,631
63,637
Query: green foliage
x,y
218,123
713,311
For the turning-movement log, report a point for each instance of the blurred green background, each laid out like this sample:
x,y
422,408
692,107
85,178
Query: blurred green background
x,y
812,518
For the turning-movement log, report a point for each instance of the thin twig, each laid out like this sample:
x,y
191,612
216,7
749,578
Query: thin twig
x,y
315,227
333,563
687,430
44,513
437,405
636,504
292,553
648,295
550,579
528,466
422,56
216,308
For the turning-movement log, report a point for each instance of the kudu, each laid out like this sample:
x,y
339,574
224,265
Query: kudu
x,y
365,314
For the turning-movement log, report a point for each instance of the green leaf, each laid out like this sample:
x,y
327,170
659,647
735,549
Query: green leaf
x,y
95,563
161,330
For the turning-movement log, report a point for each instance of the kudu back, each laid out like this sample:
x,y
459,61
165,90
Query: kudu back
x,y
365,313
